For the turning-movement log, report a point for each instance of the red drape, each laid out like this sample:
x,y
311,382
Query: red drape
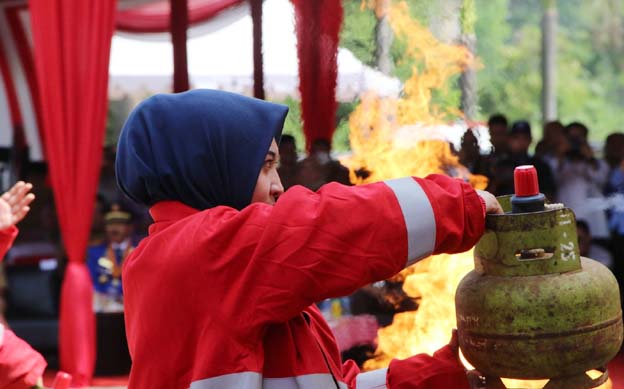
x,y
72,40
154,17
318,26
256,17
179,27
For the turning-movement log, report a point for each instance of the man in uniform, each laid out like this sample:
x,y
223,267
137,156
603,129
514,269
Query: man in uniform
x,y
105,260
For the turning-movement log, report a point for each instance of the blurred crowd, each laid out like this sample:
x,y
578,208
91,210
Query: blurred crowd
x,y
312,172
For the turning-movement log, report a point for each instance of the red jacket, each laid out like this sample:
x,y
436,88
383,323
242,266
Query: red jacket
x,y
20,365
225,298
7,236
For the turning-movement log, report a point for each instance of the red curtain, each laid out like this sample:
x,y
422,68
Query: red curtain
x,y
318,26
256,17
154,17
179,27
72,40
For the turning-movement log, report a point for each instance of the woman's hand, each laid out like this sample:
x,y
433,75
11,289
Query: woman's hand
x,y
14,204
491,204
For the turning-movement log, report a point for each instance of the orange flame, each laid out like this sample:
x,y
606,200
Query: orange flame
x,y
394,137
433,281
397,137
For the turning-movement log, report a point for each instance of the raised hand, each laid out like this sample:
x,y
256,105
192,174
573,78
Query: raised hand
x,y
14,204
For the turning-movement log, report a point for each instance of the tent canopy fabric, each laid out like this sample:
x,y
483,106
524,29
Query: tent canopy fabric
x,y
154,16
222,59
19,111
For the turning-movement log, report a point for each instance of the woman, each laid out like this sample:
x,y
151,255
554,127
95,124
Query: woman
x,y
221,293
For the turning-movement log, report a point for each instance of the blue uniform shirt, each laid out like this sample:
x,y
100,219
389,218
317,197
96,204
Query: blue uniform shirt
x,y
104,262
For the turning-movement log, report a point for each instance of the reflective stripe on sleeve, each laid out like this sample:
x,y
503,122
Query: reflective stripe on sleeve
x,y
247,379
306,381
374,379
418,215
253,380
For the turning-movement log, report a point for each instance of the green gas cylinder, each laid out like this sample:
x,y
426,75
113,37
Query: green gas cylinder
x,y
533,308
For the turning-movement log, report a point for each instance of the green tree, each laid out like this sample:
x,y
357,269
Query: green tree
x,y
509,81
292,124
358,34
590,58
358,31
590,86
340,142
118,111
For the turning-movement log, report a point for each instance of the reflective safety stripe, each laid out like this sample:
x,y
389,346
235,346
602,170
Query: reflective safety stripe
x,y
247,379
252,380
418,215
374,379
310,381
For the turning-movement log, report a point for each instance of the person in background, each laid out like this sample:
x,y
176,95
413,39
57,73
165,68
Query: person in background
x,y
491,163
469,153
105,260
21,367
288,166
319,168
109,193
551,143
589,249
580,180
614,151
520,139
614,157
499,127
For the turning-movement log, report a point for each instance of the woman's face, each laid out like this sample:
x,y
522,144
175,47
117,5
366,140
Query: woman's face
x,y
269,187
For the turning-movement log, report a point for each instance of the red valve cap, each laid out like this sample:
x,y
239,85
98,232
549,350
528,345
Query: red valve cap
x,y
525,181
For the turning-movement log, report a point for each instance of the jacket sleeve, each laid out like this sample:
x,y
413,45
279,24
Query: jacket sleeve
x,y
355,379
311,246
422,371
7,236
20,366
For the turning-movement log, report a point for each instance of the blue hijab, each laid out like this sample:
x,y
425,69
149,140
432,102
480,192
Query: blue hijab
x,y
203,148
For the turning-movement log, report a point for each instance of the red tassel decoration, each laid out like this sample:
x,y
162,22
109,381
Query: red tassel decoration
x,y
318,25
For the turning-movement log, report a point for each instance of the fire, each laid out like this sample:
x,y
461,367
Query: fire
x,y
408,136
433,281
394,137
